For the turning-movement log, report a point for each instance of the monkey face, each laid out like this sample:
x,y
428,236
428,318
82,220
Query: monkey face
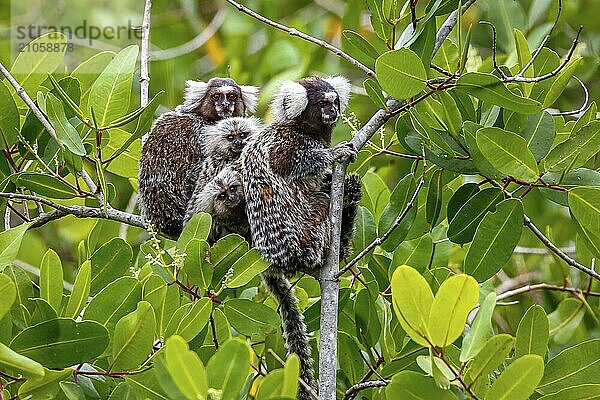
x,y
330,108
237,141
230,195
224,99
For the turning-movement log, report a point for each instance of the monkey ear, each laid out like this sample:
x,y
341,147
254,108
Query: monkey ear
x,y
194,93
343,87
289,101
249,98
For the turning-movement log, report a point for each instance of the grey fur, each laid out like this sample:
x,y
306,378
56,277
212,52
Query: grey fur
x,y
167,173
284,171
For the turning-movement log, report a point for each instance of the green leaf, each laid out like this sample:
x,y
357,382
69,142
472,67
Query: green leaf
x,y
31,68
65,132
524,56
72,390
412,299
490,89
434,198
561,82
198,227
51,279
423,45
497,236
481,163
565,320
195,319
410,385
368,325
9,117
365,230
22,307
164,300
480,329
224,253
10,243
186,369
248,317
574,153
584,203
46,185
197,265
415,253
145,386
291,371
459,198
133,338
116,300
573,366
398,200
455,298
374,92
246,268
519,380
88,71
46,387
378,19
111,92
81,291
229,367
13,361
532,333
109,262
464,224
508,153
539,134
584,391
401,73
61,342
65,98
8,294
360,43
493,354
452,119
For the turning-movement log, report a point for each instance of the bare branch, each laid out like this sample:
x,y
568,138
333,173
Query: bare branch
x,y
544,286
302,35
448,25
36,271
362,386
144,75
580,109
550,74
77,211
36,111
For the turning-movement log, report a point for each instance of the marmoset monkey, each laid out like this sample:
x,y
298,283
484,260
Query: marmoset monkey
x,y
174,147
284,171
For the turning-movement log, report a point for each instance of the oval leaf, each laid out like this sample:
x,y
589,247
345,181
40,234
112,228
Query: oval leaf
x,y
51,279
186,369
133,338
533,332
519,380
584,203
401,73
248,317
246,268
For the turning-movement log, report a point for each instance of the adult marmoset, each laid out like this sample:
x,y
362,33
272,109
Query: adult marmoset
x,y
284,171
173,147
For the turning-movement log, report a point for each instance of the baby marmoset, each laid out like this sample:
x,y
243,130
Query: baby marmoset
x,y
173,148
285,171
218,185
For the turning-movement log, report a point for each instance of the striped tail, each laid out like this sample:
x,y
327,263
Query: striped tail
x,y
294,328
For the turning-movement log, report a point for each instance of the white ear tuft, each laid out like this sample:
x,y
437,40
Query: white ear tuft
x,y
343,87
289,101
194,93
249,98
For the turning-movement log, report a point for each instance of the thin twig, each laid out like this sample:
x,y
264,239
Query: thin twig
x,y
545,286
354,389
586,101
302,35
550,74
144,74
378,241
448,25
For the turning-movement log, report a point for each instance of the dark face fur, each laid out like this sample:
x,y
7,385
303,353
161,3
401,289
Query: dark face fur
x,y
323,108
227,138
228,192
223,99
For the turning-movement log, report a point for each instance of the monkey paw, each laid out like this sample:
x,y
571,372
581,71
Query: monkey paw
x,y
344,152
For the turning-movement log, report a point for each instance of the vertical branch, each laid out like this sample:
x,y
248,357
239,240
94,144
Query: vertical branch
x,y
330,291
144,74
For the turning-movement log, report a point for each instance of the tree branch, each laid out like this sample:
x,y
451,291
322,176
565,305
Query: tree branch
x,y
352,390
544,286
448,25
144,74
36,111
302,35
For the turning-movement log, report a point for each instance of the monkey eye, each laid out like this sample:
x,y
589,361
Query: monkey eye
x,y
243,134
233,188
215,96
230,137
221,196
322,103
231,96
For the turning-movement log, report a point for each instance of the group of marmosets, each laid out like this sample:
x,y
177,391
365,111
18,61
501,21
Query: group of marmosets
x,y
269,184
